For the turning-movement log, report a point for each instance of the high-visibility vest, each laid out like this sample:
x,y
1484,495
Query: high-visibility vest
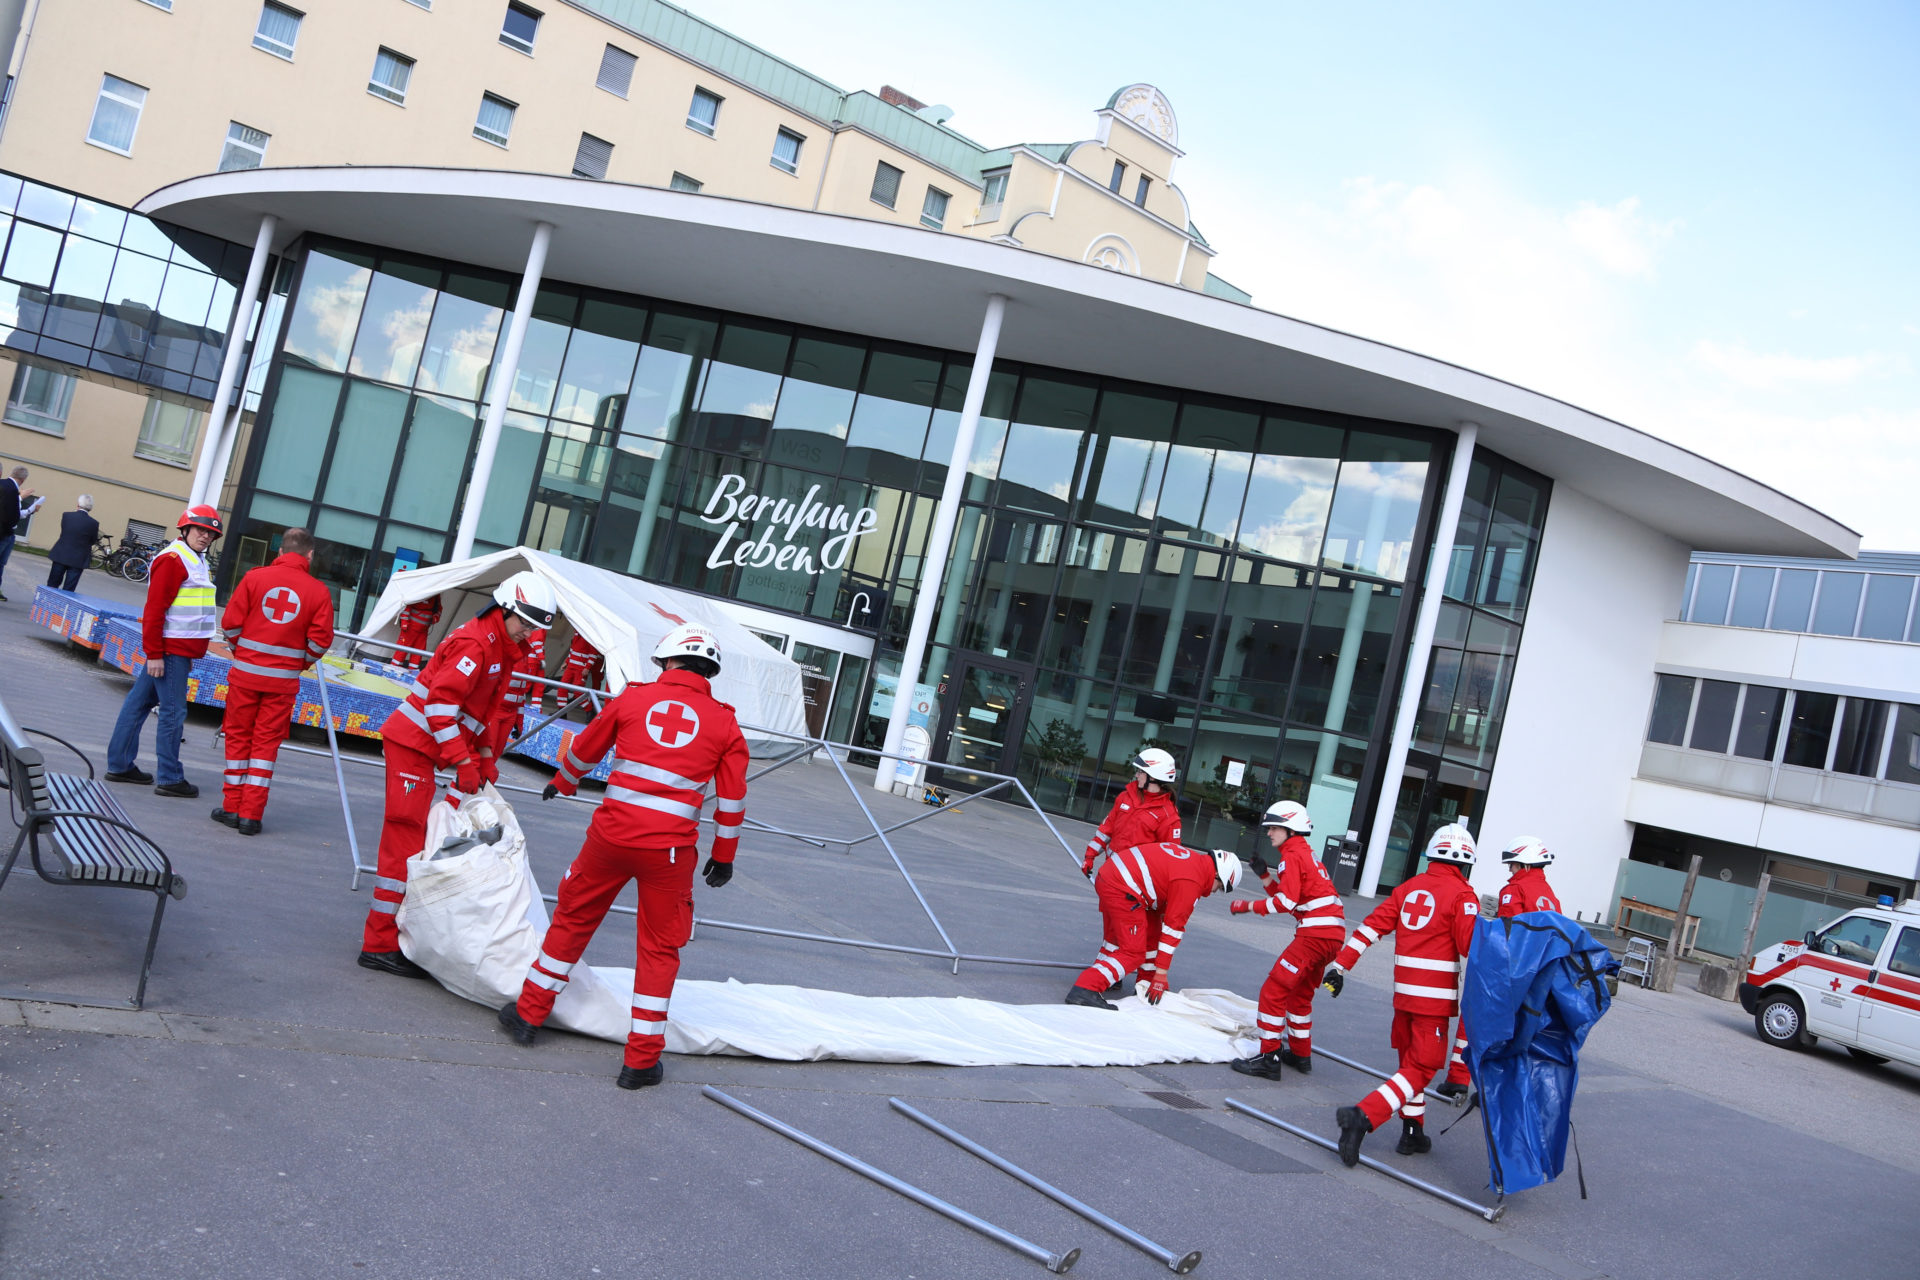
x,y
191,616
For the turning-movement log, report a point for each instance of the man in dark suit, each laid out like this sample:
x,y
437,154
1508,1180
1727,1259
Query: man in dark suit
x,y
70,554
15,502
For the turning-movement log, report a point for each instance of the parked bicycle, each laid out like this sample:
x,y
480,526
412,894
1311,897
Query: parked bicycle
x,y
102,556
138,564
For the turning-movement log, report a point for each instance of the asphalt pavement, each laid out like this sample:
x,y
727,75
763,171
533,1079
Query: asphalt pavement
x,y
278,1111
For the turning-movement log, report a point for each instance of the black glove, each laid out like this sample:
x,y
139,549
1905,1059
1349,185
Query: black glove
x,y
717,873
1335,981
549,791
1259,865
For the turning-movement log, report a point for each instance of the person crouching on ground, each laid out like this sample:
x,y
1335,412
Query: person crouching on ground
x,y
670,739
1147,894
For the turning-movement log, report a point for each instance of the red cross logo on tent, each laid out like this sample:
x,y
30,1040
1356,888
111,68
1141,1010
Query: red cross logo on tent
x,y
280,605
1836,984
672,724
1417,909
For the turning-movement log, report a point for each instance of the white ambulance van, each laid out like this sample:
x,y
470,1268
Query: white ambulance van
x,y
1856,981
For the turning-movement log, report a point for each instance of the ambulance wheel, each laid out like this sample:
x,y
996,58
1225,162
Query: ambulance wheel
x,y
1780,1021
1871,1059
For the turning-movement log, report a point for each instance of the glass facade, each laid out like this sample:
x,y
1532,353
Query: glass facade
x,y
94,285
1132,566
1800,596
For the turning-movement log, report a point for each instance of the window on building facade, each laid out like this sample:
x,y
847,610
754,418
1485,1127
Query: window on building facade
x,y
703,113
40,399
495,122
278,30
590,160
933,210
1672,704
1713,716
168,432
1119,176
162,4
1140,192
1759,727
421,4
786,151
886,184
391,73
116,114
1810,729
1842,602
1837,606
993,194
519,27
245,148
616,71
681,182
1863,733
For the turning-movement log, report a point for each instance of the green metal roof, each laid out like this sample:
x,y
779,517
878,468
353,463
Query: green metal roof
x,y
1214,286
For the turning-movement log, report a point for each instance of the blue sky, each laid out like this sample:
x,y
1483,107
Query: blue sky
x,y
1700,219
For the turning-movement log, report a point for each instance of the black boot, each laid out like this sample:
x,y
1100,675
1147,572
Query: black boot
x,y
1301,1063
1354,1127
248,826
133,773
1413,1138
522,1031
1450,1089
1264,1065
392,962
225,818
1091,999
640,1077
181,790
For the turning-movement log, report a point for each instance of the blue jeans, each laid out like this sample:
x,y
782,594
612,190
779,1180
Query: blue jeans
x,y
169,694
6,549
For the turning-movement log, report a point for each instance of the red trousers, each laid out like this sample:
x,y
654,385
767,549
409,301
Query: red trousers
x,y
1124,927
1286,997
414,638
403,833
1422,1042
255,724
663,879
1457,1071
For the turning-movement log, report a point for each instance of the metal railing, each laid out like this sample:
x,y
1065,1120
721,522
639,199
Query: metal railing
x,y
804,748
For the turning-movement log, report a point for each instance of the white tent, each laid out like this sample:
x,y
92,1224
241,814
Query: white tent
x,y
622,617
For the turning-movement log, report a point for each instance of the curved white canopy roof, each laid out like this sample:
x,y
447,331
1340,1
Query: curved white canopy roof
x,y
925,287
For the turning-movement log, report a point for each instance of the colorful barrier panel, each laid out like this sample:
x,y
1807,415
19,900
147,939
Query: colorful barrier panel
x,y
545,746
76,617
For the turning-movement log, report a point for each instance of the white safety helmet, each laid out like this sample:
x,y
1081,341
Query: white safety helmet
x,y
1451,843
1528,851
529,595
1158,765
693,641
1226,866
1294,817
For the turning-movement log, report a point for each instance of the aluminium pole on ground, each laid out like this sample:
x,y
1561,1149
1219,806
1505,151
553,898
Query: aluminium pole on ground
x,y
1419,653
216,446
940,539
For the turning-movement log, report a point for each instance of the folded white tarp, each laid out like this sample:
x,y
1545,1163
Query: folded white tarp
x,y
475,920
623,617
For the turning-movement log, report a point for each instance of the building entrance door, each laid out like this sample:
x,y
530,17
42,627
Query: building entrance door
x,y
984,717
1432,794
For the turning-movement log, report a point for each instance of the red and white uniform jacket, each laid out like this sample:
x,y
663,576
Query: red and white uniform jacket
x,y
1528,890
528,658
420,615
1431,917
670,739
1300,887
446,713
278,622
585,664
1137,818
1167,879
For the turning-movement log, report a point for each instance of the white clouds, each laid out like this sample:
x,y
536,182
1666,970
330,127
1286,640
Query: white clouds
x,y
1617,237
1754,369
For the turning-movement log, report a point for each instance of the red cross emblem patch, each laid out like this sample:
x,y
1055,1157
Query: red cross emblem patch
x,y
280,605
672,724
1416,910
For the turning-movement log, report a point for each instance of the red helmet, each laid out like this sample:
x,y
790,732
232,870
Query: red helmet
x,y
203,516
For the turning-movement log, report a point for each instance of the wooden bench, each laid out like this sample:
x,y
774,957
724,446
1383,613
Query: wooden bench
x,y
76,833
1631,907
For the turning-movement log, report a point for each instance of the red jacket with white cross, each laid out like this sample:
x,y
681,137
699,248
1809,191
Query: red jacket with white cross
x,y
671,739
1137,818
1300,887
1528,890
279,622
1431,918
446,713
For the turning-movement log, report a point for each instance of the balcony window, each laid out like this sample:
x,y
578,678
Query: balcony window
x,y
1903,757
933,210
703,114
1793,599
495,123
886,184
1759,722
1810,730
1713,718
1672,702
246,148
1889,601
391,72
116,114
786,151
519,27
278,30
1752,592
1863,731
1838,605
1712,587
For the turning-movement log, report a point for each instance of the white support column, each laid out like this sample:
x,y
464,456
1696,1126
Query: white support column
x,y
505,368
216,443
1419,654
940,538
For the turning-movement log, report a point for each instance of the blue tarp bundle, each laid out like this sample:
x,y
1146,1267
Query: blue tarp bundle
x,y
1535,985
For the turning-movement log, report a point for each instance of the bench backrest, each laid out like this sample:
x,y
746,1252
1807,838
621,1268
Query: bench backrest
x,y
26,768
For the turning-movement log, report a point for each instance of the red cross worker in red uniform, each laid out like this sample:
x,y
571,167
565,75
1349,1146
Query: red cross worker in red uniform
x,y
278,622
586,666
1147,893
670,739
531,661
1431,917
1143,813
1526,889
444,721
416,620
1298,887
